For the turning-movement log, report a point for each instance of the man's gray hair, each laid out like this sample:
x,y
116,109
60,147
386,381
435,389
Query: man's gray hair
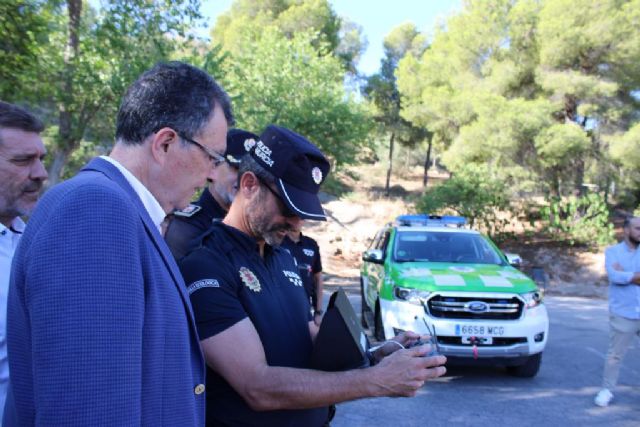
x,y
249,164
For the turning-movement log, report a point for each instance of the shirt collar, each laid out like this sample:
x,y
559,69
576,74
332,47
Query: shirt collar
x,y
247,244
150,203
17,225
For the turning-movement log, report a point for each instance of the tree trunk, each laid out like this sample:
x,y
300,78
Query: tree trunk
x,y
427,163
579,178
67,141
391,142
56,169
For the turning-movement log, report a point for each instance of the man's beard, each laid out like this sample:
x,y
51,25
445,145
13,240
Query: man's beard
x,y
635,242
260,223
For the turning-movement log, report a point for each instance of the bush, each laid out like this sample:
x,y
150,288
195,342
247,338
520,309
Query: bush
x,y
579,220
472,193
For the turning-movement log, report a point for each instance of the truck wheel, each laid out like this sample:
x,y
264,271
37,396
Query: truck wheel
x,y
529,369
379,328
363,307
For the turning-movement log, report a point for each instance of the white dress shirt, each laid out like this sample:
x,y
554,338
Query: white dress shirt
x,y
9,238
150,203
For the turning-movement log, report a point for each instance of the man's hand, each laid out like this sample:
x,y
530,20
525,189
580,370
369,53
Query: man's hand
x,y
405,371
405,339
317,317
636,276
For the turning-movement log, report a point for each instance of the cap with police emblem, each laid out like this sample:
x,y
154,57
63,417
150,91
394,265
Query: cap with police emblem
x,y
239,142
298,167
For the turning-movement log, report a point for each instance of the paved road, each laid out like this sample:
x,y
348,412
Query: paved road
x,y
561,395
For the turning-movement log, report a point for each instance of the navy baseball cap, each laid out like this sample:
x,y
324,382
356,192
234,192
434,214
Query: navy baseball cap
x,y
239,142
298,167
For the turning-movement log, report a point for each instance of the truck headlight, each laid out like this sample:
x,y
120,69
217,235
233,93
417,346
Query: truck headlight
x,y
409,295
532,299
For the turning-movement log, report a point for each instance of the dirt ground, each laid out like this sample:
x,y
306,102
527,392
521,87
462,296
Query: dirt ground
x,y
356,216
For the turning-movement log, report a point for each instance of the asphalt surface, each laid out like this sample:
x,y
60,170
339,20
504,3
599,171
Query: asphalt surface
x,y
560,395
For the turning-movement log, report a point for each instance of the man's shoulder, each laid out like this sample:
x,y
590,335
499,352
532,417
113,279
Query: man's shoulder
x,y
189,211
213,259
616,248
307,240
189,225
86,194
309,244
215,242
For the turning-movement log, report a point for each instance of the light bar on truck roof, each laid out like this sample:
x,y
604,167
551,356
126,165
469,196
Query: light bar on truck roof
x,y
418,220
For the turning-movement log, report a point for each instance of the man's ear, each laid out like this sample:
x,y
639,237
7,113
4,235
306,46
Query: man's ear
x,y
249,184
162,143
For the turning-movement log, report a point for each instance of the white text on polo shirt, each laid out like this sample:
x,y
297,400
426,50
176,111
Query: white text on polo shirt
x,y
205,283
308,252
264,153
293,277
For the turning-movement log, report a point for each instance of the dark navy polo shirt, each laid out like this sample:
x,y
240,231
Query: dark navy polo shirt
x,y
229,281
307,254
183,232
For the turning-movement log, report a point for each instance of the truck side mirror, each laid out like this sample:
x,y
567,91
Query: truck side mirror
x,y
373,255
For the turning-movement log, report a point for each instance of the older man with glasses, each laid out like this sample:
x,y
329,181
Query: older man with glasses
x,y
186,225
252,311
100,328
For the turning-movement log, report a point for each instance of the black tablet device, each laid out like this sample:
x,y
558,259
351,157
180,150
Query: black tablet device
x,y
341,343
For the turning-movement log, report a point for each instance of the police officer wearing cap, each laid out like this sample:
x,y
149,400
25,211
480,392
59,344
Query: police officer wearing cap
x,y
306,253
253,314
186,225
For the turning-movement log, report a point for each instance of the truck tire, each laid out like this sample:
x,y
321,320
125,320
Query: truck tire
x,y
379,328
363,307
527,370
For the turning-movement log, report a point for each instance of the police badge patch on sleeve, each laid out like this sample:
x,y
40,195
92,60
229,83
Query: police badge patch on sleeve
x,y
249,279
205,283
188,212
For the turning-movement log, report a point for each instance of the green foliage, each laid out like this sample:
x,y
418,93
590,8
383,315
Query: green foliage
x,y
24,30
329,33
579,220
78,69
472,193
297,86
625,148
535,88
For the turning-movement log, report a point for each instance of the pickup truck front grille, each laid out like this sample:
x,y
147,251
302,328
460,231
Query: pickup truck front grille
x,y
458,307
496,341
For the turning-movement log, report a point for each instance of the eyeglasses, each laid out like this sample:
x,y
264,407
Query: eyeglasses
x,y
284,208
215,157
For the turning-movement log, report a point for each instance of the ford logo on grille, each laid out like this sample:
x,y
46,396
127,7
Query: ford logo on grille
x,y
478,306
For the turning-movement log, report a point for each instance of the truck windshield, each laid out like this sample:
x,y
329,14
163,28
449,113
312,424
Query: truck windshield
x,y
436,246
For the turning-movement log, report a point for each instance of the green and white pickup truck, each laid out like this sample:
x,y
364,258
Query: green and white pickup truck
x,y
426,270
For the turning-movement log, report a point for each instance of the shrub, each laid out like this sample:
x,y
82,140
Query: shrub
x,y
579,220
472,193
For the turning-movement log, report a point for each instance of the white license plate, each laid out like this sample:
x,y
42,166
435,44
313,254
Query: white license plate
x,y
479,330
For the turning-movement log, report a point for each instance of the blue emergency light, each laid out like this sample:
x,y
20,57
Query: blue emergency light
x,y
416,220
